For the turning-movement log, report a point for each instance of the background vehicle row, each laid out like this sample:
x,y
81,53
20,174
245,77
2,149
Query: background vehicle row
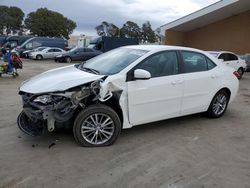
x,y
232,60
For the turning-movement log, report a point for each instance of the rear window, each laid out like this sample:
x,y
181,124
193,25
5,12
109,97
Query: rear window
x,y
215,54
196,62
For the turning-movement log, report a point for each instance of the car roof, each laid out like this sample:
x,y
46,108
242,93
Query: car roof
x,y
47,48
161,48
220,52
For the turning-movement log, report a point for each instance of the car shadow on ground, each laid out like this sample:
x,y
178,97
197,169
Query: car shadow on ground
x,y
137,134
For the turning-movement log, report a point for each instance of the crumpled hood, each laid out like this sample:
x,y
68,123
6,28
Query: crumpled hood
x,y
59,79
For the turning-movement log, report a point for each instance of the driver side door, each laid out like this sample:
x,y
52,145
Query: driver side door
x,y
160,96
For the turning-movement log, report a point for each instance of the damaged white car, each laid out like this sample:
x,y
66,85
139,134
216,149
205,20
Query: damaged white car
x,y
125,87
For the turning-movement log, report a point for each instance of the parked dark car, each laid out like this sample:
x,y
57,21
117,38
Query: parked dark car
x,y
10,42
105,44
77,54
246,57
36,42
2,40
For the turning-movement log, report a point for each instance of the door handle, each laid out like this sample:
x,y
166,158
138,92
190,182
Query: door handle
x,y
175,82
214,76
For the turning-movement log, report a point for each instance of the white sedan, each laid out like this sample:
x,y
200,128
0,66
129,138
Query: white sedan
x,y
232,60
46,53
123,88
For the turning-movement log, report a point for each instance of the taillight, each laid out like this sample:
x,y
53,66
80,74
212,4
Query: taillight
x,y
236,74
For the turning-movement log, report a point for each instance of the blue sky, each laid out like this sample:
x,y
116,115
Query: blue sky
x,y
89,13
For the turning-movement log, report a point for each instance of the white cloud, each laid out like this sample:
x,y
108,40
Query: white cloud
x,y
89,13
156,11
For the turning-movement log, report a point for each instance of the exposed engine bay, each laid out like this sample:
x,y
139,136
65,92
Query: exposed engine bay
x,y
56,109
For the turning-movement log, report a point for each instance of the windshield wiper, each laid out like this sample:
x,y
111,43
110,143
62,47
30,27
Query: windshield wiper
x,y
89,70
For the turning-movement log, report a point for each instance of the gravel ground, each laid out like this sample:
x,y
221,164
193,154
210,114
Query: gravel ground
x,y
192,151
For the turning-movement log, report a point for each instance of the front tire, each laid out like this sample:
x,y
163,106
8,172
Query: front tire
x,y
97,125
39,57
219,104
68,60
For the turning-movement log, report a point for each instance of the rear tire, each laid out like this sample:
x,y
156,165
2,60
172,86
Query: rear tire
x,y
218,105
39,57
97,125
241,72
68,60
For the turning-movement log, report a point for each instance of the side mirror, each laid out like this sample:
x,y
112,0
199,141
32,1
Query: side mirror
x,y
221,60
140,74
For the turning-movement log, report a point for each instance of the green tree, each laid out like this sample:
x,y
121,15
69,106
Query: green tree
x,y
11,19
4,18
131,30
148,35
44,22
107,29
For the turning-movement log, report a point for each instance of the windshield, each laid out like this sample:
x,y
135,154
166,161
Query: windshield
x,y
26,42
73,49
40,49
215,54
113,61
91,46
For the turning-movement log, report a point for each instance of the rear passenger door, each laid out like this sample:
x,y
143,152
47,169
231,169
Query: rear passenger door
x,y
200,76
57,52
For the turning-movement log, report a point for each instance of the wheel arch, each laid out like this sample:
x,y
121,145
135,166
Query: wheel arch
x,y
113,103
227,90
39,55
67,57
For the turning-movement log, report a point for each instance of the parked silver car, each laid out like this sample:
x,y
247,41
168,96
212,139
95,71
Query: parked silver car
x,y
47,53
27,53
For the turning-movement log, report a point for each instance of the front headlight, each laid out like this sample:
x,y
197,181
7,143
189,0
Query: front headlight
x,y
43,99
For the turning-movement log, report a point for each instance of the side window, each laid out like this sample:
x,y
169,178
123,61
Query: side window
x,y
161,64
13,44
29,45
232,57
57,50
51,50
210,64
194,62
36,44
80,50
88,50
223,56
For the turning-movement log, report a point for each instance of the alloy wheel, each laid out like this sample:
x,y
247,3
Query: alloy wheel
x,y
219,104
97,128
68,60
